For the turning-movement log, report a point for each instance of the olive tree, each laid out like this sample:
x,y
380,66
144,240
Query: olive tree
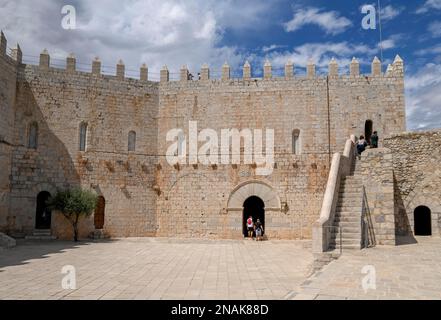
x,y
74,204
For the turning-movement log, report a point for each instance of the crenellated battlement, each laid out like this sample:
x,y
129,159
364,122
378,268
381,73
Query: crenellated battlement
x,y
394,70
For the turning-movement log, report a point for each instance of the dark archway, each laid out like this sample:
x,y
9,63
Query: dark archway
x,y
423,223
254,207
43,214
368,129
99,213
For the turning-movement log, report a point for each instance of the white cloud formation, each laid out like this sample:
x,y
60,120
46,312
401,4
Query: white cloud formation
x,y
435,29
171,32
423,98
322,53
429,4
330,21
390,12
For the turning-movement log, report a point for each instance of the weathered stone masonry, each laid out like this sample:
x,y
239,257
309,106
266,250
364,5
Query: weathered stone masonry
x,y
143,194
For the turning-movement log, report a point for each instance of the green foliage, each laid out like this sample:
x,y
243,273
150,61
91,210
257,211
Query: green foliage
x,y
74,202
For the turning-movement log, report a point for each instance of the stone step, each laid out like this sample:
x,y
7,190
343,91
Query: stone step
x,y
348,208
346,229
42,232
347,200
344,221
347,235
347,224
41,238
345,247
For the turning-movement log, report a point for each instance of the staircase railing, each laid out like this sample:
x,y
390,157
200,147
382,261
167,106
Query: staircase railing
x,y
340,167
367,227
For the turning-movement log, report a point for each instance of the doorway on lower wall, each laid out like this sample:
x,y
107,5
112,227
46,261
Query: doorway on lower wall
x,y
422,221
253,207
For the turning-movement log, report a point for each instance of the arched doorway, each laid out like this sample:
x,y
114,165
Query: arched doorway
x,y
254,207
422,219
368,129
43,214
99,213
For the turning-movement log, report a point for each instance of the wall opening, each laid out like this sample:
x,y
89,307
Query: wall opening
x,y
368,130
99,213
43,213
83,136
33,136
296,142
423,222
254,207
132,141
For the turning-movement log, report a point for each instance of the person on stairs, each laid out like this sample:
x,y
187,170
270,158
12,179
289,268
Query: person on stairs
x,y
361,146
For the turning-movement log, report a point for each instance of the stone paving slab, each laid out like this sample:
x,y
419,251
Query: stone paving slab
x,y
156,268
411,271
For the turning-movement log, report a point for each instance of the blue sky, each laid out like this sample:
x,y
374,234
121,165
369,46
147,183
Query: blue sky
x,y
193,32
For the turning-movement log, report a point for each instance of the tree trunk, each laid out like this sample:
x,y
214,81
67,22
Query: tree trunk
x,y
75,227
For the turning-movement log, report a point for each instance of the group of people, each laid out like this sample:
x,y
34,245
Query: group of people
x,y
256,228
362,143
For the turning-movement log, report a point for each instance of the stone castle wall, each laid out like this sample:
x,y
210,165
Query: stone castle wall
x,y
417,174
276,103
59,101
8,82
144,194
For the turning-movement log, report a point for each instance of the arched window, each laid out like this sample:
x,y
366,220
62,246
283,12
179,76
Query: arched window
x,y
132,141
296,141
33,136
83,136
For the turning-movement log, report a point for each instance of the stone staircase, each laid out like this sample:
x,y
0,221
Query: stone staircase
x,y
41,234
348,213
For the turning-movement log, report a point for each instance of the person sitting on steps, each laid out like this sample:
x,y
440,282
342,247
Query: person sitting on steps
x,y
361,146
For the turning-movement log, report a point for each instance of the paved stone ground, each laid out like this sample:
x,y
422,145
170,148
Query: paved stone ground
x,y
156,268
411,271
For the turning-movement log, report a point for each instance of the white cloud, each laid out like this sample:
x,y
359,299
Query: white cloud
x,y
321,54
330,21
171,32
423,98
435,29
429,4
272,47
392,42
389,12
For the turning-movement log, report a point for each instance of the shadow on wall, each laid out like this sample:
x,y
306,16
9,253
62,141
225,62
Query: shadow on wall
x,y
28,250
403,230
41,164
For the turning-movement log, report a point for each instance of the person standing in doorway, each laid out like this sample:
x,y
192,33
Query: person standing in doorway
x,y
374,140
259,230
250,227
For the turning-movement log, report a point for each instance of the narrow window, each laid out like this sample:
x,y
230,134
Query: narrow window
x,y
33,136
83,136
296,142
132,141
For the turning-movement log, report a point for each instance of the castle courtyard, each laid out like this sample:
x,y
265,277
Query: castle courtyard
x,y
164,268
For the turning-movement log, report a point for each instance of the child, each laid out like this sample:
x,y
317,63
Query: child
x,y
250,227
259,230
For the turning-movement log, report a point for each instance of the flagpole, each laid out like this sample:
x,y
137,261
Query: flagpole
x,y
381,33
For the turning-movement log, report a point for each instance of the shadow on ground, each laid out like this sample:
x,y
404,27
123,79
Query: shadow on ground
x,y
27,250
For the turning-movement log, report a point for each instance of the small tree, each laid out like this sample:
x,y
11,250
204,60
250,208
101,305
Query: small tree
x,y
73,204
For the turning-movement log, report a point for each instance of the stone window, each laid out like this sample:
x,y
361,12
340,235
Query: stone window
x,y
296,141
33,136
83,136
132,141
